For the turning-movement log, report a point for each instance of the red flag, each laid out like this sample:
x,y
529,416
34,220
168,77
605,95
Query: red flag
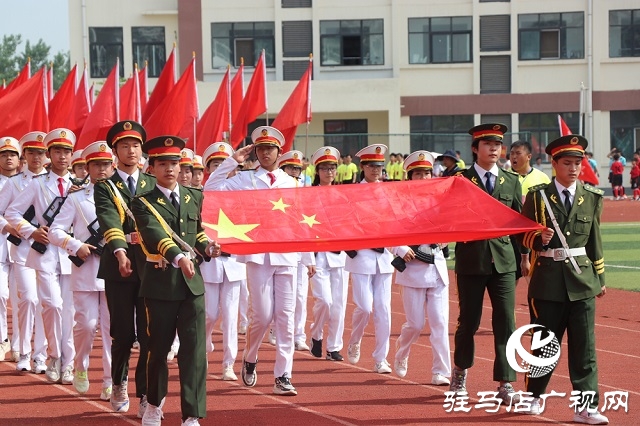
x,y
22,78
296,110
25,108
586,172
253,104
130,99
105,112
62,103
163,86
345,217
143,82
50,84
81,106
237,93
92,94
215,119
177,114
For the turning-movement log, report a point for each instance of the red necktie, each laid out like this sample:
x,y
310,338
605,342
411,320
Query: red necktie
x,y
272,177
60,187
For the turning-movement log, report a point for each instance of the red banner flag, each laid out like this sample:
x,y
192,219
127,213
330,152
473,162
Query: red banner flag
x,y
62,103
237,93
253,104
25,108
50,84
81,105
130,108
105,112
354,217
215,119
296,110
25,74
587,174
163,86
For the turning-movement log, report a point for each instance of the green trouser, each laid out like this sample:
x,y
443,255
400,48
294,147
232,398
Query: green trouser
x,y
578,319
188,318
502,292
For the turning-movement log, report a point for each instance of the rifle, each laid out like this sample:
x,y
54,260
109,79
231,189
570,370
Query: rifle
x,y
28,216
49,214
95,240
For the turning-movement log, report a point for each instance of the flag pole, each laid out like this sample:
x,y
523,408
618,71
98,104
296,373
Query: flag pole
x,y
581,114
306,136
264,63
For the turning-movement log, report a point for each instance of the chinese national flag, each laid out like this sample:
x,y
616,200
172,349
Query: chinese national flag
x,y
253,104
130,107
62,103
104,113
215,119
163,86
177,115
25,108
586,172
296,110
353,217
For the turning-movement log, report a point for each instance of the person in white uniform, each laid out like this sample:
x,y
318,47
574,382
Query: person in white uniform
x,y
84,248
222,276
52,265
371,273
22,287
270,276
329,285
425,282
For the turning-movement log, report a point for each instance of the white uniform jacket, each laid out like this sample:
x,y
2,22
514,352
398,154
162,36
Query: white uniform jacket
x,y
40,193
419,274
253,179
78,211
4,248
214,270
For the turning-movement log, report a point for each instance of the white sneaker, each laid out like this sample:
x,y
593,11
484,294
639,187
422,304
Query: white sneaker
x,y
152,416
142,407
175,346
67,375
191,421
589,418
440,380
24,363
120,398
15,356
80,381
400,366
5,348
272,337
353,353
39,366
228,374
535,408
105,395
53,370
301,346
242,329
382,367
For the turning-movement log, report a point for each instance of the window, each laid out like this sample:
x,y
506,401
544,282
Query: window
x,y
352,42
495,74
105,47
625,130
551,36
440,40
347,136
438,133
297,39
495,33
624,33
149,47
295,3
543,129
230,42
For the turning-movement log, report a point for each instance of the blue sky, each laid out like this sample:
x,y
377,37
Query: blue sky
x,y
37,19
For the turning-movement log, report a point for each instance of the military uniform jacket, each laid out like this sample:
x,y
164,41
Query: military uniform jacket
x,y
478,257
169,284
116,225
556,280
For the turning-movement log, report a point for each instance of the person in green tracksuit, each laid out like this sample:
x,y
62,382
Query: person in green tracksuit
x,y
487,265
168,218
561,298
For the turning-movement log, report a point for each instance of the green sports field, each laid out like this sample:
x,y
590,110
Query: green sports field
x,y
621,242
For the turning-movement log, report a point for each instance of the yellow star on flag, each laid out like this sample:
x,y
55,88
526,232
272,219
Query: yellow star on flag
x,y
310,220
227,229
279,205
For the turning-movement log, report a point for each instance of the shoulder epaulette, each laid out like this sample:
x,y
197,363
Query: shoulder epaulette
x,y
142,194
101,180
593,189
538,187
511,172
460,172
149,175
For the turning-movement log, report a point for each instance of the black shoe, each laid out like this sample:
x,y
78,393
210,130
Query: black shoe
x,y
249,373
316,348
334,356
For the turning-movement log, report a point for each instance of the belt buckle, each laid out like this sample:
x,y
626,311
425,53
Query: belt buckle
x,y
135,239
559,254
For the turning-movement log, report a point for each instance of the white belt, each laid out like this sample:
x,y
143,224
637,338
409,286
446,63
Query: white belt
x,y
560,254
132,238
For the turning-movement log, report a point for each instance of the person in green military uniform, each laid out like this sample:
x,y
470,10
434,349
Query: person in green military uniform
x,y
122,261
567,275
487,264
168,218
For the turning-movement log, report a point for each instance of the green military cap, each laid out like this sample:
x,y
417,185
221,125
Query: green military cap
x,y
569,145
126,129
489,132
164,147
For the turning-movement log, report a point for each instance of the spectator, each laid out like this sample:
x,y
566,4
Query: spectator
x,y
460,162
616,172
538,164
635,179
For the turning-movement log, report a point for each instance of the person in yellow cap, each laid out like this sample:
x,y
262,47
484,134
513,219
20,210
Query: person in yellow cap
x,y
168,218
23,288
568,272
84,248
329,285
371,273
197,178
270,274
425,283
122,261
47,194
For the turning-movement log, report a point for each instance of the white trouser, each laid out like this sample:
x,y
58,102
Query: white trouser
x,y
29,312
271,298
243,306
222,298
56,298
14,299
4,299
329,288
436,300
372,293
91,311
300,316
